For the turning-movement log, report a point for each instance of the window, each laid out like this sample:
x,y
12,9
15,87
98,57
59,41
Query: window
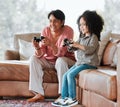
x,y
23,16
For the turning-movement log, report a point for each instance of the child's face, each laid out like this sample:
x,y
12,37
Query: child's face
x,y
83,27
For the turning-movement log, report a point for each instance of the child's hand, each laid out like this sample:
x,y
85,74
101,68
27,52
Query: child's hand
x,y
74,44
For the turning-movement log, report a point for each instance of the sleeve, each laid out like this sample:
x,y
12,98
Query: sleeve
x,y
92,46
45,32
43,48
68,33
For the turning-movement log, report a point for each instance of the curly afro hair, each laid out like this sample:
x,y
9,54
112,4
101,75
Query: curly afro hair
x,y
93,21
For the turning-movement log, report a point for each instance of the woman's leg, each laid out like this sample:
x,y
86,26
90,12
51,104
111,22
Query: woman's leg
x,y
36,74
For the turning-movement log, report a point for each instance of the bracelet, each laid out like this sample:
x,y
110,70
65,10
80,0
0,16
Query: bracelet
x,y
37,48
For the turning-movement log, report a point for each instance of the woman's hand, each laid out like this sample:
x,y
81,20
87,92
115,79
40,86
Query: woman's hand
x,y
45,42
35,44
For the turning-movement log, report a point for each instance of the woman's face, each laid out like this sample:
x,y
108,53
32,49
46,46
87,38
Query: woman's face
x,y
55,24
83,27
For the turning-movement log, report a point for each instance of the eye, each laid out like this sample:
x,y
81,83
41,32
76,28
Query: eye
x,y
82,24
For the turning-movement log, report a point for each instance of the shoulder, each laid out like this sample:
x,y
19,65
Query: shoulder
x,y
47,28
67,28
94,36
46,31
94,39
67,32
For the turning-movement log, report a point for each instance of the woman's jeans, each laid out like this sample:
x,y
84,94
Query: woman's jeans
x,y
69,82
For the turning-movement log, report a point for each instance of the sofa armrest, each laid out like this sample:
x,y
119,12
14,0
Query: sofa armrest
x,y
11,55
118,77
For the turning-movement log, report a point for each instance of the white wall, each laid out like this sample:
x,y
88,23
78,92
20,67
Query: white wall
x,y
72,8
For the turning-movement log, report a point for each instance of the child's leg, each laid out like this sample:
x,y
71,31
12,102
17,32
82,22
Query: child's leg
x,y
71,78
65,83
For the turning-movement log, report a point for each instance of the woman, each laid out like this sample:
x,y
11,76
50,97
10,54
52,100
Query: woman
x,y
50,53
90,25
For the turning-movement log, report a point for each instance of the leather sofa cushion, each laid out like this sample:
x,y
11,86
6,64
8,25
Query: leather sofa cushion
x,y
101,81
11,70
20,88
19,71
91,99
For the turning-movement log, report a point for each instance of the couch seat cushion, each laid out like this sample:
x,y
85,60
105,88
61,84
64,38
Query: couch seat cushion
x,y
100,81
12,70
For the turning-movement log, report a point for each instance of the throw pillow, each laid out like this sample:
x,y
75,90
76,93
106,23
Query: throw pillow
x,y
105,37
25,49
114,62
115,58
110,52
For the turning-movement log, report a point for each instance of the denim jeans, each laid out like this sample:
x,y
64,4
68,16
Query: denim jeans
x,y
69,82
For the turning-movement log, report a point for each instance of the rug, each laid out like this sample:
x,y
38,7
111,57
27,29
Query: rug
x,y
23,103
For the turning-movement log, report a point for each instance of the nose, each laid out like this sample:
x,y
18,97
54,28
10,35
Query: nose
x,y
51,23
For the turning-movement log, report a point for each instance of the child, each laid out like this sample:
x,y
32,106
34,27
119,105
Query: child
x,y
90,25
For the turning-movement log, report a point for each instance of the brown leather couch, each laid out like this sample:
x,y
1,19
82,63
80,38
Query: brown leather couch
x,y
14,72
101,87
95,88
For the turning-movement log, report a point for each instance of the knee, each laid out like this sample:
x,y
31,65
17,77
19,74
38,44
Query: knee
x,y
33,58
60,61
70,75
64,76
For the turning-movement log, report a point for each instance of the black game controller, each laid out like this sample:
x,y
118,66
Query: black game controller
x,y
39,39
67,43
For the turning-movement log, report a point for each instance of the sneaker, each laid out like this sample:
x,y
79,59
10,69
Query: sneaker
x,y
70,102
58,102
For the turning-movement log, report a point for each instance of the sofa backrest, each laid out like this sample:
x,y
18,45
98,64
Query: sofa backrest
x,y
26,36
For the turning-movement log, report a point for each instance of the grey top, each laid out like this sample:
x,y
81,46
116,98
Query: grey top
x,y
90,55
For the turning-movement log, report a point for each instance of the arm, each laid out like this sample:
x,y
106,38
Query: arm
x,y
58,49
89,47
68,33
39,49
